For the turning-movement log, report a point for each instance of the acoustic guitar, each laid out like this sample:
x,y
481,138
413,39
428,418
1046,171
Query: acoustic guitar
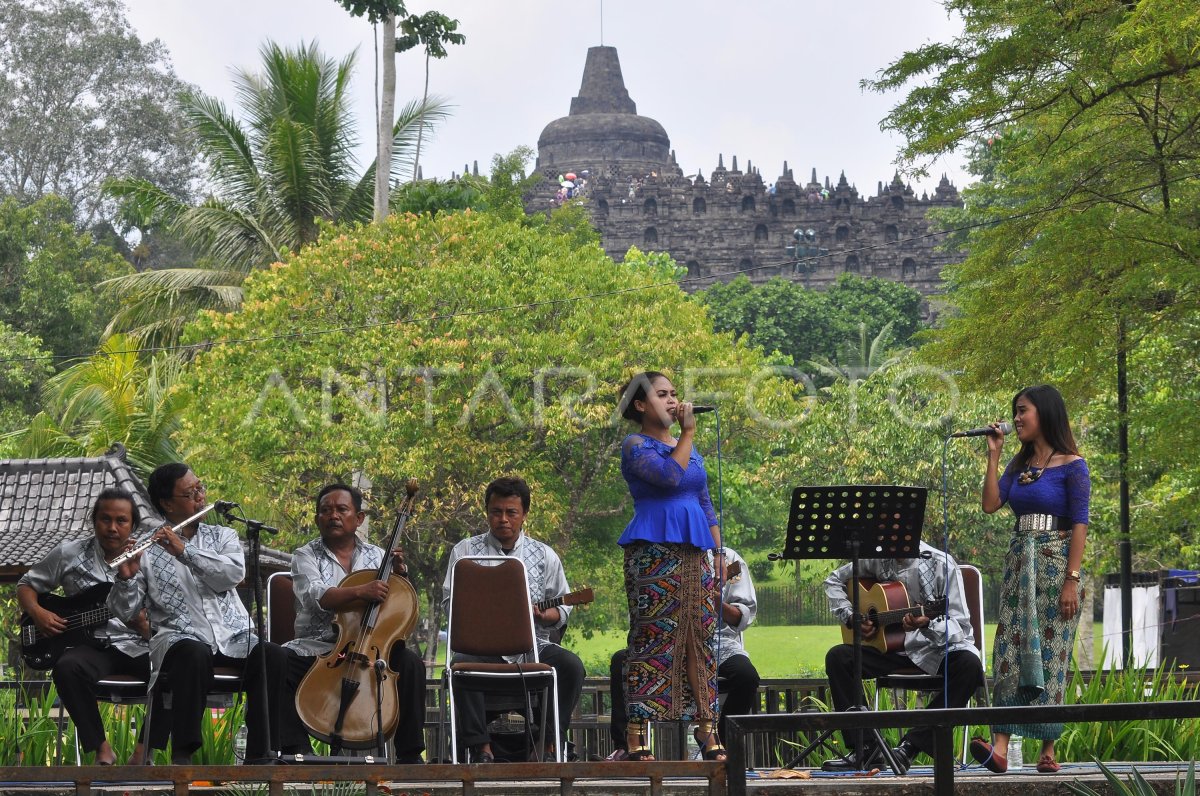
x,y
82,612
886,604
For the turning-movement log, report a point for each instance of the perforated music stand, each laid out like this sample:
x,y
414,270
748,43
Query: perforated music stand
x,y
852,522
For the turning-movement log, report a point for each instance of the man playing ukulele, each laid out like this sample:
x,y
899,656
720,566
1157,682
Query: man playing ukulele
x,y
924,646
506,501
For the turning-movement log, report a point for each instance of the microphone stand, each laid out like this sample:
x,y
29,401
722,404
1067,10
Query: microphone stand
x,y
254,529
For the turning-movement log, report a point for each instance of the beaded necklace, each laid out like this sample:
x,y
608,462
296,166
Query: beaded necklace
x,y
1033,472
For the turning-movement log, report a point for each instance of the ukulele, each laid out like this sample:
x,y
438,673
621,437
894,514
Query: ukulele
x,y
82,612
579,597
886,604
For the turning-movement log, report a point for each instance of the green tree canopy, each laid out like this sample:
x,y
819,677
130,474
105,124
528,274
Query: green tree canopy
x,y
456,349
49,273
82,100
877,302
1084,119
24,364
783,315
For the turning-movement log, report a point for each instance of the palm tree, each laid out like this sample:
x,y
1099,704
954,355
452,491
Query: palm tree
x,y
113,396
276,176
858,359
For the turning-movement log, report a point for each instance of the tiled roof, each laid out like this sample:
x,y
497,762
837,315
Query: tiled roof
x,y
46,501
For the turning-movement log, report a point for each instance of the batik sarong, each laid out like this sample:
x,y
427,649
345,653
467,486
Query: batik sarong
x,y
1031,659
670,673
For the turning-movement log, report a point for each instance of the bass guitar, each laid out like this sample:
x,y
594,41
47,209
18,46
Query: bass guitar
x,y
82,612
886,604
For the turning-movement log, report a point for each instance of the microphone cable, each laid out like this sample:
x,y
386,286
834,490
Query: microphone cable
x,y
720,601
946,572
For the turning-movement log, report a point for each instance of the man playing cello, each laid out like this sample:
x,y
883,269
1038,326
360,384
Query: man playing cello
x,y
317,569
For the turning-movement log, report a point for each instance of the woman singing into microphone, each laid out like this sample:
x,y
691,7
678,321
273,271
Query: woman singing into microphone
x,y
670,674
1048,487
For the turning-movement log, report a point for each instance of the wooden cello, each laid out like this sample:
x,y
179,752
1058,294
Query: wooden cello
x,y
350,697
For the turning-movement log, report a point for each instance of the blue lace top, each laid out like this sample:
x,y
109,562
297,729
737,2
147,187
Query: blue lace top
x,y
1063,491
670,504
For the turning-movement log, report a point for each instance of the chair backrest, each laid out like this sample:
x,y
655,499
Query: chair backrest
x,y
490,611
973,592
281,608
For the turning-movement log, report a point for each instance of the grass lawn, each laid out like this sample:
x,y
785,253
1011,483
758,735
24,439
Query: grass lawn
x,y
789,651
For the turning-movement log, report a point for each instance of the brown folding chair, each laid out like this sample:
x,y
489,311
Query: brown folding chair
x,y
913,679
281,608
491,615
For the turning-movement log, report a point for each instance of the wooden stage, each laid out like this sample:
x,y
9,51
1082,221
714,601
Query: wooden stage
x,y
535,779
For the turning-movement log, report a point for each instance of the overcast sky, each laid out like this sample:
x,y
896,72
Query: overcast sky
x,y
765,80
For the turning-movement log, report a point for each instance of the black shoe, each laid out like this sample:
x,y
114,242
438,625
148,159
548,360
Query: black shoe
x,y
872,759
480,756
904,755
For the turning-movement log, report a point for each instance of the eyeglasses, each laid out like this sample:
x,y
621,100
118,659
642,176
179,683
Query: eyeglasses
x,y
196,492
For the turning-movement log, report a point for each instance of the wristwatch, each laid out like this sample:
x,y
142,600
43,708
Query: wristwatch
x,y
1073,574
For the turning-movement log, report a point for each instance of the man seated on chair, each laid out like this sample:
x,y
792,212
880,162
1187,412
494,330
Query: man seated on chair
x,y
188,582
111,647
736,676
318,568
507,505
925,639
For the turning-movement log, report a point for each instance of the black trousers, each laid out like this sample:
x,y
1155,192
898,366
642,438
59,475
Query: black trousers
x,y
75,676
472,721
736,678
187,673
279,728
966,675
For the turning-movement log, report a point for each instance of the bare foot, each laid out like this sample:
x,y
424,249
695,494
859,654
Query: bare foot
x,y
105,756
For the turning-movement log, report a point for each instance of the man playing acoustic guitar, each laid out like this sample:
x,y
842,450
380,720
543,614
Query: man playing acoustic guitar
x,y
922,644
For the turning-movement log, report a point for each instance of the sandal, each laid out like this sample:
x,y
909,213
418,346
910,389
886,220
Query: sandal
x,y
986,756
716,752
1047,765
643,755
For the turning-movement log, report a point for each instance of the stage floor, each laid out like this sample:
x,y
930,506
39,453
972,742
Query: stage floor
x,y
972,780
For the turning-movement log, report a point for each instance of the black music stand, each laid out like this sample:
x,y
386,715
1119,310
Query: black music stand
x,y
854,522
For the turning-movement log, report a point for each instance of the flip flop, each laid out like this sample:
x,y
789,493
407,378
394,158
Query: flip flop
x,y
986,756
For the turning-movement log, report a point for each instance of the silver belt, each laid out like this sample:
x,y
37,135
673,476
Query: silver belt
x,y
1037,522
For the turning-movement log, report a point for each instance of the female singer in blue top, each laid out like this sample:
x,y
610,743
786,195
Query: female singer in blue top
x,y
1048,487
670,673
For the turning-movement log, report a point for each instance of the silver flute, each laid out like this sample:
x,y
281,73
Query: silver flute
x,y
146,543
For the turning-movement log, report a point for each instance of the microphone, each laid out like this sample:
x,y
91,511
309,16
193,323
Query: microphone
x,y
699,409
1005,428
225,506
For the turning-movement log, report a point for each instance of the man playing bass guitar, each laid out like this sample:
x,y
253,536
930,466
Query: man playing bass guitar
x,y
924,646
318,568
97,644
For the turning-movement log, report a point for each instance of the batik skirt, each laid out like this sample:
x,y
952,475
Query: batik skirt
x,y
670,673
1031,659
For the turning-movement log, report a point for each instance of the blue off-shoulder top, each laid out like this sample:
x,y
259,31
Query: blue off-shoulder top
x,y
670,504
1064,491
